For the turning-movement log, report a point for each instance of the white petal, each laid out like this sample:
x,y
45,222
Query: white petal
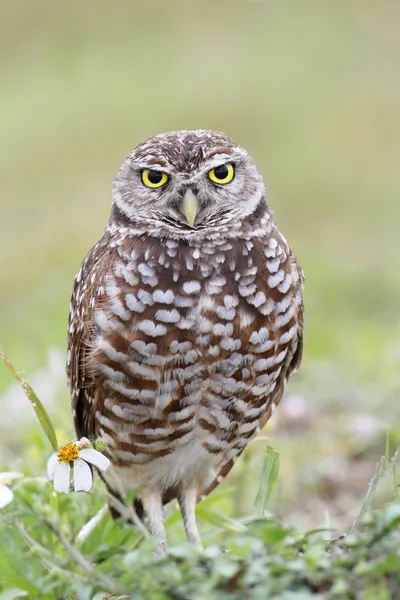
x,y
51,466
82,476
6,495
61,477
95,458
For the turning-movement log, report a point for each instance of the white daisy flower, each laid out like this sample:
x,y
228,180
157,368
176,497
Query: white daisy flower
x,y
6,494
78,453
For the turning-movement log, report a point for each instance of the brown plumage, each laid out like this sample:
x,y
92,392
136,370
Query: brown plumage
x,y
186,321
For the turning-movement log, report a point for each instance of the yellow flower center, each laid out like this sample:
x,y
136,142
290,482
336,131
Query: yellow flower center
x,y
68,453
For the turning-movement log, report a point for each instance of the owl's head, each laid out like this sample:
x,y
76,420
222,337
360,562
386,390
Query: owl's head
x,y
186,182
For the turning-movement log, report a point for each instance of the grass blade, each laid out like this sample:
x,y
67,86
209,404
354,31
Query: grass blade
x,y
37,406
383,466
394,460
269,477
373,486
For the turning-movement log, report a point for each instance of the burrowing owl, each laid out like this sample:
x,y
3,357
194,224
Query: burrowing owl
x,y
185,323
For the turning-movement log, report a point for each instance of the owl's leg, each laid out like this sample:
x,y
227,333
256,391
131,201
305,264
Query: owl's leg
x,y
187,503
153,506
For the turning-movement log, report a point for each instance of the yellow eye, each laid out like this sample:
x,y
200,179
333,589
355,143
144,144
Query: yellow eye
x,y
222,174
154,179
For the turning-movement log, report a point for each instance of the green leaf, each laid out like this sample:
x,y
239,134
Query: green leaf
x,y
269,477
38,407
219,520
391,516
269,530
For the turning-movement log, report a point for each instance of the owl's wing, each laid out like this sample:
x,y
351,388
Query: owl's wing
x,y
87,293
294,355
293,298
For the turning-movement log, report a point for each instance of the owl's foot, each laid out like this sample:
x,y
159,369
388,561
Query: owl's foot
x,y
153,506
187,503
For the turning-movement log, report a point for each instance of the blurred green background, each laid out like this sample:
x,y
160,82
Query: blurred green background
x,y
312,90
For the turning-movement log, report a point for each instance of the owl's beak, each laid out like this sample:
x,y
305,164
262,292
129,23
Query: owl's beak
x,y
190,207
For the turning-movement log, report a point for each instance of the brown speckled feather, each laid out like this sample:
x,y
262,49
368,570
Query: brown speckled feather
x,y
81,334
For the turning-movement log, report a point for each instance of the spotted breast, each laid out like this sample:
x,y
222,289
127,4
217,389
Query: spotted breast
x,y
190,346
